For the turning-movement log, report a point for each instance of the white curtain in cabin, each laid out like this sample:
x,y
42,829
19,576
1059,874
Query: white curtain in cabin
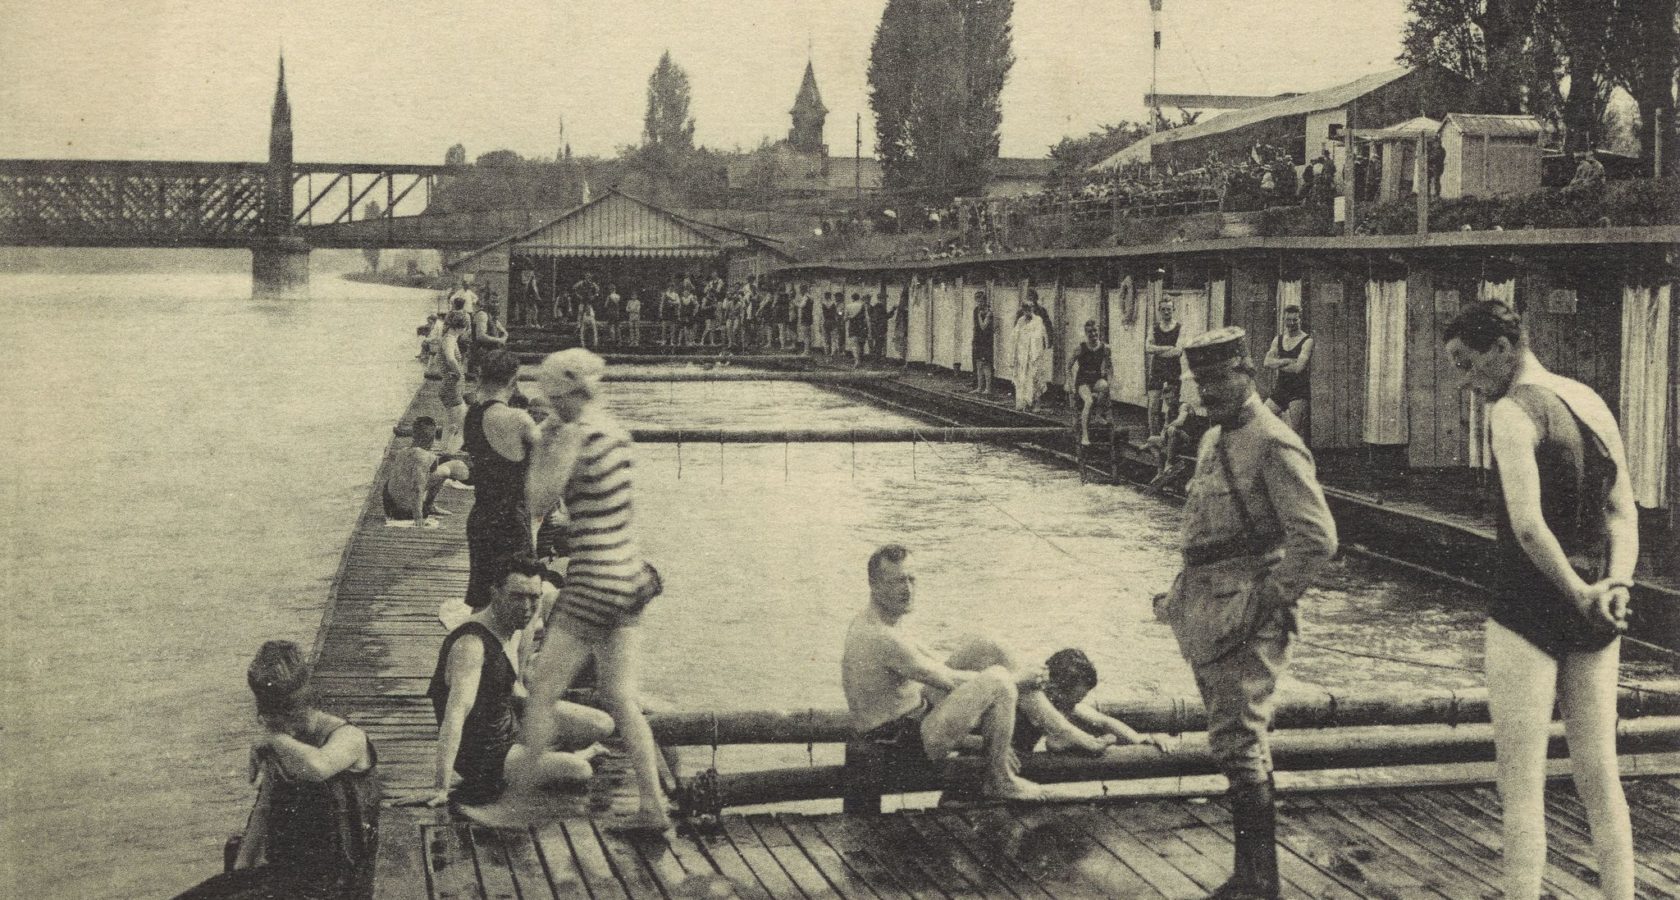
x,y
1191,307
945,304
1127,322
921,301
1386,422
1216,303
1644,413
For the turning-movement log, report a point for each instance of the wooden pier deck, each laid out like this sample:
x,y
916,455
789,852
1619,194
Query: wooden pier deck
x,y
378,645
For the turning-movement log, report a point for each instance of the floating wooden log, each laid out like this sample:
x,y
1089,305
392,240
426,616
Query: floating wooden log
x,y
1172,716
709,355
748,435
734,374
1293,751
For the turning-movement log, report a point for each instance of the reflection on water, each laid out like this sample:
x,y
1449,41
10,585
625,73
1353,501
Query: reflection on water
x,y
182,467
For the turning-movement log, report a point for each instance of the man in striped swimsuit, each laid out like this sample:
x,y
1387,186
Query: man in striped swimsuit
x,y
581,466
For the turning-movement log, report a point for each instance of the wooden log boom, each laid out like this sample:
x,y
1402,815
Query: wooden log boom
x,y
1294,751
1169,715
733,374
841,435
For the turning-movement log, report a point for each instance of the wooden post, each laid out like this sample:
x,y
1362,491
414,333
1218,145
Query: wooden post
x,y
865,776
1420,182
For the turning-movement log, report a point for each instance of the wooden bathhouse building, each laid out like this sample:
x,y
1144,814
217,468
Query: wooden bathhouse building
x,y
1597,304
626,242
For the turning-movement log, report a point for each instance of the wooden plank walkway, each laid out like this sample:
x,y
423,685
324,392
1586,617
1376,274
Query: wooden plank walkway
x,y
378,646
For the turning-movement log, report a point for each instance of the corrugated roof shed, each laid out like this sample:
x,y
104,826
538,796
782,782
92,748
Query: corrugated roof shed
x,y
1494,126
1329,98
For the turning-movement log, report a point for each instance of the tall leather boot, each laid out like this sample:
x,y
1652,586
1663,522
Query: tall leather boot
x,y
1254,818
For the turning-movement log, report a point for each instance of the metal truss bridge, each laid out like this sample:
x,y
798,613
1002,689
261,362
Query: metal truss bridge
x,y
132,203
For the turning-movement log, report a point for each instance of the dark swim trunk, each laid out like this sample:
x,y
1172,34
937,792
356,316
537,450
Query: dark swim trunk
x,y
394,508
901,737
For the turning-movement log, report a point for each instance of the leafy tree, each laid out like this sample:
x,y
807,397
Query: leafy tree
x,y
667,128
1504,47
1073,156
936,70
455,156
498,159
1582,32
1647,35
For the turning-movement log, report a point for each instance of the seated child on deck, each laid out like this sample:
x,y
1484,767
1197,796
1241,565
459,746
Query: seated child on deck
x,y
418,473
1058,714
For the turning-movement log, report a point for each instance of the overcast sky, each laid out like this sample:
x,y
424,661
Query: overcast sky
x,y
401,80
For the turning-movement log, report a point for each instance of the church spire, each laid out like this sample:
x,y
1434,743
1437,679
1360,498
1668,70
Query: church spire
x,y
282,112
808,115
278,191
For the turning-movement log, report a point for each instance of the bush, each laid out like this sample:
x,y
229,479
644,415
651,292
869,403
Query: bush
x,y
1634,202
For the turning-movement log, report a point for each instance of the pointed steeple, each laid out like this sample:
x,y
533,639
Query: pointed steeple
x,y
809,99
278,191
808,115
282,113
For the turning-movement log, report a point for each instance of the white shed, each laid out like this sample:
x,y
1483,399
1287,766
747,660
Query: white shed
x,y
1489,155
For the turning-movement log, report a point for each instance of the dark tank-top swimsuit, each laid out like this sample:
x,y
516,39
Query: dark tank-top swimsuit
x,y
499,525
1573,484
1291,386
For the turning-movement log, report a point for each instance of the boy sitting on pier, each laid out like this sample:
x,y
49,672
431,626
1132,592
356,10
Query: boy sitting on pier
x,y
417,474
886,676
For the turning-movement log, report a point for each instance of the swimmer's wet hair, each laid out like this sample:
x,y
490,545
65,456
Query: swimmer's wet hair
x,y
527,565
279,679
1481,324
1071,667
424,429
498,367
457,319
893,553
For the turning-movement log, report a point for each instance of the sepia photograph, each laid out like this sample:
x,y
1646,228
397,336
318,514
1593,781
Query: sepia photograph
x,y
876,449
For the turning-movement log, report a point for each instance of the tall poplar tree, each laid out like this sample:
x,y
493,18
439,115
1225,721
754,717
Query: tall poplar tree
x,y
667,128
936,70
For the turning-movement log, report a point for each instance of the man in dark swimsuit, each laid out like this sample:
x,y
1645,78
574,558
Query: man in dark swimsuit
x,y
473,692
982,346
1162,372
1291,356
498,439
1553,630
1089,372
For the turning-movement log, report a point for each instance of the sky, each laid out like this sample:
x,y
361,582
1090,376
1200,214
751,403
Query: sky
x,y
402,80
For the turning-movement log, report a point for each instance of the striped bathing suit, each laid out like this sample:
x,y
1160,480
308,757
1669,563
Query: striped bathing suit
x,y
604,570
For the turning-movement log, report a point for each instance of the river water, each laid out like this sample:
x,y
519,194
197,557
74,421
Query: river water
x,y
181,469
184,466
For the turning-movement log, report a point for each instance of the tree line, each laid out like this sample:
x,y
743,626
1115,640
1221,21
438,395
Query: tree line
x,y
1559,60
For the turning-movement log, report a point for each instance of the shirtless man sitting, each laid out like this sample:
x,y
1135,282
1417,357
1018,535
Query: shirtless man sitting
x,y
417,473
884,673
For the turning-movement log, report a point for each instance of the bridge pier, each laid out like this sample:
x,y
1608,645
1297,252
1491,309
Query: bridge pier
x,y
280,270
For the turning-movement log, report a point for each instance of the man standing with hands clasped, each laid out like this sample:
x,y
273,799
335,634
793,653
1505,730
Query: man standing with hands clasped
x,y
1256,530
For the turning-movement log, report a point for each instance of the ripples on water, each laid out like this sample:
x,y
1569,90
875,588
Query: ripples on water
x,y
763,548
181,469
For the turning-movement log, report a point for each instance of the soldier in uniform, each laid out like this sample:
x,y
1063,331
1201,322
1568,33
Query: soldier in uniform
x,y
1256,531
